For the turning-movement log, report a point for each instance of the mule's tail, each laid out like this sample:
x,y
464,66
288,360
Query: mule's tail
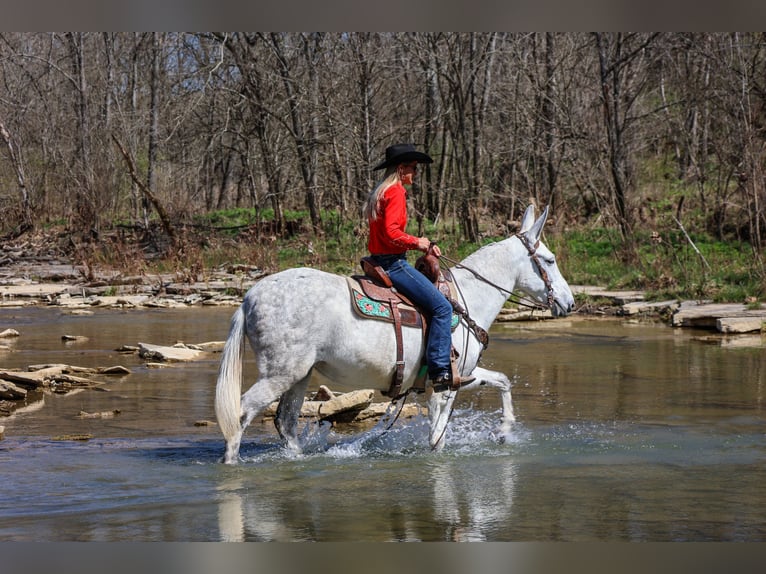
x,y
228,391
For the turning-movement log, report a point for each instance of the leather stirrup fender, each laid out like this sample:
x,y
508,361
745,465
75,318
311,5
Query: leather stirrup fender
x,y
398,378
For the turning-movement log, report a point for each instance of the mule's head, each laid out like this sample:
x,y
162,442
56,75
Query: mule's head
x,y
542,279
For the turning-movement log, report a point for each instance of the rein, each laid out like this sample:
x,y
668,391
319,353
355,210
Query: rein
x,y
524,302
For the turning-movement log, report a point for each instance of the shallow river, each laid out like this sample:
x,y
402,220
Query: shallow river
x,y
626,432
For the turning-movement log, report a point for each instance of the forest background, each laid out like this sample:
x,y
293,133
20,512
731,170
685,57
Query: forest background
x,y
186,151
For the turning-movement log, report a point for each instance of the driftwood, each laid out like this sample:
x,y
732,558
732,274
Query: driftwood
x,y
344,406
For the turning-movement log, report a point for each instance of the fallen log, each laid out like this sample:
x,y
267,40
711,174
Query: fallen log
x,y
342,407
11,392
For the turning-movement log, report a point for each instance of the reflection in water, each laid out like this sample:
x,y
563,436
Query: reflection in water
x,y
230,512
472,505
392,489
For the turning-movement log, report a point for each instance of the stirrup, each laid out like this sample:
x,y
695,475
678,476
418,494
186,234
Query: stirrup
x,y
446,383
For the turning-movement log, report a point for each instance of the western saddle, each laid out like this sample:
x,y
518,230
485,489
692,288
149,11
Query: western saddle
x,y
374,296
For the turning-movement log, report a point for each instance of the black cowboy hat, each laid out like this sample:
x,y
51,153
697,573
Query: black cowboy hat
x,y
400,153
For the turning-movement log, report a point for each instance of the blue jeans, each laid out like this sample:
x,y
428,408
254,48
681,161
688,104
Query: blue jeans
x,y
417,288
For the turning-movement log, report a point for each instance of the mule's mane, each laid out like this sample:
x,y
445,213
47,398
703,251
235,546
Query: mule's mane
x,y
483,250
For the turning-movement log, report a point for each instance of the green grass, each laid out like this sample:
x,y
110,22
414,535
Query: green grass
x,y
665,265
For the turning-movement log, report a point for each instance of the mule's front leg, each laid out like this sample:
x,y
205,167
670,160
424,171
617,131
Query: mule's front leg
x,y
439,407
501,382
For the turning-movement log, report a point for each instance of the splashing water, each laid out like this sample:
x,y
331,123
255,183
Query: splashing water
x,y
469,432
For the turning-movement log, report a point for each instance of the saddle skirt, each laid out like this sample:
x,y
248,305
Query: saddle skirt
x,y
372,300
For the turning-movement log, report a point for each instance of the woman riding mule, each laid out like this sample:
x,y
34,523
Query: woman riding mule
x,y
301,320
386,212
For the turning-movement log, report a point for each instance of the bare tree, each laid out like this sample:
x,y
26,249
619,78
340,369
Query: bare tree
x,y
592,123
622,75
14,154
303,126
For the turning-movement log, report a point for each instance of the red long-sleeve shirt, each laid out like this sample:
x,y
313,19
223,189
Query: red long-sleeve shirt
x,y
387,232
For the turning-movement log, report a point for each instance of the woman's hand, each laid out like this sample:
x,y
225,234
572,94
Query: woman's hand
x,y
424,244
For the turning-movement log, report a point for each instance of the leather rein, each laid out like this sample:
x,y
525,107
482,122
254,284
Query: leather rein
x,y
524,302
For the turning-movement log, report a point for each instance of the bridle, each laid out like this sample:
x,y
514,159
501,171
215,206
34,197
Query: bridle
x,y
532,250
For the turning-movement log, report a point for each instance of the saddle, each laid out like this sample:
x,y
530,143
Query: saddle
x,y
374,297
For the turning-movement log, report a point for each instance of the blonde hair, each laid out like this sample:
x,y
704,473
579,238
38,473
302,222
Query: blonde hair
x,y
390,177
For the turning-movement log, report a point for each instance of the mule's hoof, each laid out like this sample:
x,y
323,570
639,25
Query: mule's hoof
x,y
226,458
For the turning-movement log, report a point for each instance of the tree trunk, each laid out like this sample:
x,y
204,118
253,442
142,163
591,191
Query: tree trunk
x,y
167,225
21,180
302,145
85,204
154,121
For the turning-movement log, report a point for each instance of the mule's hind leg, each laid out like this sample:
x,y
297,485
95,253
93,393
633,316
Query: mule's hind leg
x,y
288,411
265,391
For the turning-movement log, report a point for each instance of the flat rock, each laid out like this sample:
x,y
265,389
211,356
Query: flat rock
x,y
618,297
29,380
641,307
168,354
99,415
706,315
740,324
36,290
509,315
13,303
11,392
377,410
209,346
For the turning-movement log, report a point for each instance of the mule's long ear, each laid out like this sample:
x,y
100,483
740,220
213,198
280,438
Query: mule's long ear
x,y
528,219
537,229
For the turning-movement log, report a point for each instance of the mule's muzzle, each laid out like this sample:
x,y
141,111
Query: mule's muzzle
x,y
562,309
